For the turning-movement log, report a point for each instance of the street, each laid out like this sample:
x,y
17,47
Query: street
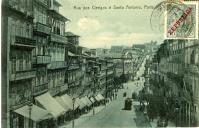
x,y
107,64
114,115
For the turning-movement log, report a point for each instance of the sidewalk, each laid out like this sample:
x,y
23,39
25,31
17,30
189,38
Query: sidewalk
x,y
84,117
96,110
154,124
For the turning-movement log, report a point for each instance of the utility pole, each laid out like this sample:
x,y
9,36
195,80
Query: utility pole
x,y
106,77
94,78
123,65
73,122
30,110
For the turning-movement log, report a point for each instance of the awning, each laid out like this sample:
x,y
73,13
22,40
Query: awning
x,y
84,101
86,55
50,104
97,98
88,101
92,99
69,101
71,54
37,114
63,103
100,97
80,103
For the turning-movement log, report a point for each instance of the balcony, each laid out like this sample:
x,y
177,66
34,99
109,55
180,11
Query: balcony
x,y
175,77
73,66
192,68
110,72
64,87
88,69
109,81
39,27
87,82
77,83
43,59
110,65
103,68
55,90
23,41
17,7
57,65
103,74
23,75
58,38
103,82
40,89
43,2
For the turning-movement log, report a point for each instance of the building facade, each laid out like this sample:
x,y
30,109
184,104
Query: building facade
x,y
44,66
175,71
18,46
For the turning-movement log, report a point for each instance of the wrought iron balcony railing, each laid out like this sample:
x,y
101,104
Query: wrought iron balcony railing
x,y
40,89
39,27
110,72
24,41
58,38
43,59
193,68
55,90
22,75
73,66
110,65
57,65
64,87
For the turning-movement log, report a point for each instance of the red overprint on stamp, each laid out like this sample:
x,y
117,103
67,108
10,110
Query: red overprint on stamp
x,y
179,21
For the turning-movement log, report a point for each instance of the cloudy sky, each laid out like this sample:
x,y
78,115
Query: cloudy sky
x,y
106,27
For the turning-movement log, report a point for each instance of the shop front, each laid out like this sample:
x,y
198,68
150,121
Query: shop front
x,y
49,103
30,116
67,108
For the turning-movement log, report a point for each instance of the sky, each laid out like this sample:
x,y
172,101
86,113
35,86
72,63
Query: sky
x,y
118,25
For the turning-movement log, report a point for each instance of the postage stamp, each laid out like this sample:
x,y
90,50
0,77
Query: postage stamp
x,y
181,20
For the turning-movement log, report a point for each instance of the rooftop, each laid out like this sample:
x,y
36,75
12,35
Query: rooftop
x,y
70,34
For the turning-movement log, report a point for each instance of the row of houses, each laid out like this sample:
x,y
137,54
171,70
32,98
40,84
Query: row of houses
x,y
127,59
45,71
174,78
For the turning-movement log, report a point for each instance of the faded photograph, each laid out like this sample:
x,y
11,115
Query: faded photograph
x,y
99,63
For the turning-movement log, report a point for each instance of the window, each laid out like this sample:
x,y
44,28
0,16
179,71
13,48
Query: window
x,y
193,57
27,59
20,62
14,65
27,32
39,50
13,29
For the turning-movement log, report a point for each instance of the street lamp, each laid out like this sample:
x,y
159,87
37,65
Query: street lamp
x,y
30,110
73,122
93,109
177,110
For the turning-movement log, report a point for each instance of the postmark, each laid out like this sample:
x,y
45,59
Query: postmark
x,y
158,14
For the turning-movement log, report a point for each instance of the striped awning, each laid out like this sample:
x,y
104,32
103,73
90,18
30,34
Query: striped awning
x,y
34,113
50,104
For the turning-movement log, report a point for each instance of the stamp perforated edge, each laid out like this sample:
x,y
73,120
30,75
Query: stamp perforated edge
x,y
196,26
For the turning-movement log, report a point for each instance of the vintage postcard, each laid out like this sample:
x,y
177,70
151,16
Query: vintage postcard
x,y
99,63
